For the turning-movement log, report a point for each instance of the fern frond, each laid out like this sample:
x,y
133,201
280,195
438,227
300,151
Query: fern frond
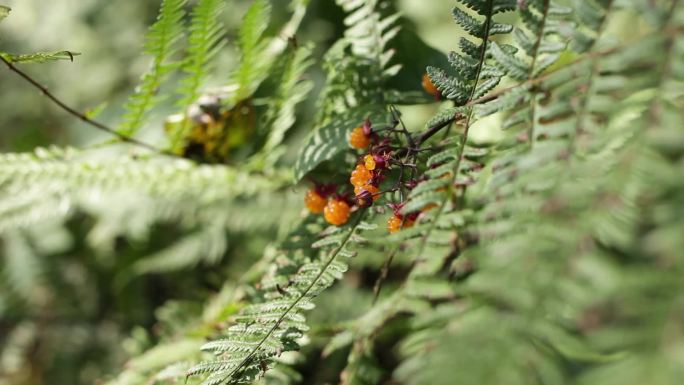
x,y
436,228
265,330
292,90
539,214
331,139
56,184
161,43
204,42
357,71
205,245
254,64
369,33
476,76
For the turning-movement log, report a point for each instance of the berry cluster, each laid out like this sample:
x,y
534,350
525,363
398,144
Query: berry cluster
x,y
370,170
371,166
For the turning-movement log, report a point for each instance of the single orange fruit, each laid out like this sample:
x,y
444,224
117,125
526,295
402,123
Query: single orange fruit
x,y
360,176
358,139
336,212
430,87
314,201
394,224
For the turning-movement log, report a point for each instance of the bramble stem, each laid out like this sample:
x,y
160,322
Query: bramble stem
x,y
102,127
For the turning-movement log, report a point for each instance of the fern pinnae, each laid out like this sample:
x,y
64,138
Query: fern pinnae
x,y
666,69
254,65
539,26
584,106
161,42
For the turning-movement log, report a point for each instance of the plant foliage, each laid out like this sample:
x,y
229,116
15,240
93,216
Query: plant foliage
x,y
551,254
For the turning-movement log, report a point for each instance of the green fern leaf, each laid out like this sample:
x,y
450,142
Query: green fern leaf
x,y
40,57
509,63
204,42
254,64
292,91
160,43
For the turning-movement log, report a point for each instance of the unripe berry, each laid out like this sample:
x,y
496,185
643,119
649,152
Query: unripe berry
x,y
336,212
360,176
358,138
364,198
314,201
367,127
366,192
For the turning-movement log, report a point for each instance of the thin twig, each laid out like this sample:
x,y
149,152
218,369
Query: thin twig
x,y
43,89
384,271
406,132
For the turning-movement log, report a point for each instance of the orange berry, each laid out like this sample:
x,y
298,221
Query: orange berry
x,y
314,201
370,188
336,212
360,176
358,139
428,207
429,87
369,162
394,224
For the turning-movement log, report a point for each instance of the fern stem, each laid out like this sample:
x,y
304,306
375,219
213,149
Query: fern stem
x,y
306,291
530,75
483,53
384,271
